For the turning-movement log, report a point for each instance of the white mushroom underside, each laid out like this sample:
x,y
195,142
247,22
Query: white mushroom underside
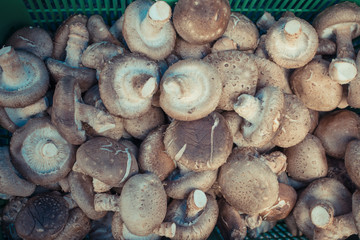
x,y
26,83
45,151
329,32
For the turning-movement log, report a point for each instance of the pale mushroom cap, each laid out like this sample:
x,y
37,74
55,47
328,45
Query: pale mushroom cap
x,y
199,145
195,25
40,153
247,183
352,161
189,90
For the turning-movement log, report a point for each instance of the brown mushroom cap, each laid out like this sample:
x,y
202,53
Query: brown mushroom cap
x,y
32,39
223,44
143,203
356,208
197,26
186,50
152,155
314,120
98,31
24,78
324,189
190,89
127,84
39,152
295,124
353,97
6,122
147,28
247,183
43,217
336,130
238,73
307,160
291,42
77,226
199,145
352,161
106,160
313,85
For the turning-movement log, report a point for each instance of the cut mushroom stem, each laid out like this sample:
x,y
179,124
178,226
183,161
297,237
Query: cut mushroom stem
x,y
322,214
276,161
106,202
158,14
247,107
76,44
253,221
292,31
13,72
99,120
146,87
166,229
49,149
196,202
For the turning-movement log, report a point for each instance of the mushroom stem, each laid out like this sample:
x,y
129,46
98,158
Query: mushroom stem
x,y
99,120
322,214
100,186
158,15
292,31
77,43
106,202
178,86
13,72
49,149
196,202
253,221
70,201
345,48
247,107
145,86
276,161
166,229
342,227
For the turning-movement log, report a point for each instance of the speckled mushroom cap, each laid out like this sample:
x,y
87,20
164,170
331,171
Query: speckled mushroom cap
x,y
291,42
99,32
247,183
24,78
32,39
186,50
306,160
199,145
324,189
143,203
238,73
43,217
189,90
313,85
106,160
352,161
197,25
336,130
40,153
147,28
127,84
242,31
152,155
295,124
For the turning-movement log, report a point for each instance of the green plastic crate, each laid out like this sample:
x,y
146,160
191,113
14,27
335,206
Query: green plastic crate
x,y
49,14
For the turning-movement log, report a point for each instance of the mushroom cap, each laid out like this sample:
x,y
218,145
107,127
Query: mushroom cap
x,y
356,208
43,217
158,46
306,161
336,130
295,124
223,44
127,84
143,203
106,160
32,39
285,53
353,97
247,183
195,25
6,122
98,31
336,16
186,50
197,229
33,87
189,90
199,145
352,161
152,155
242,31
238,73
40,153
323,189
314,120
67,93
313,85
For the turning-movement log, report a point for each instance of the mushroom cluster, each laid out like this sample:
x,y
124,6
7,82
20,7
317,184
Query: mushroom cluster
x,y
174,121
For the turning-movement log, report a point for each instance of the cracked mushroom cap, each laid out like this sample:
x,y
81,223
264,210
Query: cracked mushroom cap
x,y
247,183
106,160
43,217
195,25
199,145
24,78
147,28
189,90
40,153
291,42
32,39
238,73
127,84
336,130
352,161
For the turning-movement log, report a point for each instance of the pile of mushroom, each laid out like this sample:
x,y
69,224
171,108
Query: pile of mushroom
x,y
174,121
